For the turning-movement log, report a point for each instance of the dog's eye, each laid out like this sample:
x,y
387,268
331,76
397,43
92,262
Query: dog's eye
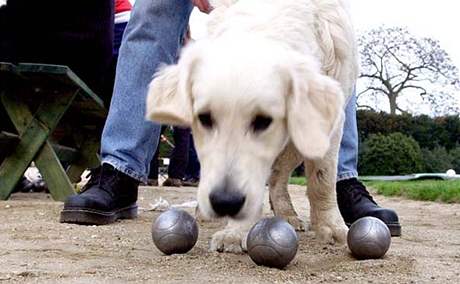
x,y
260,123
206,119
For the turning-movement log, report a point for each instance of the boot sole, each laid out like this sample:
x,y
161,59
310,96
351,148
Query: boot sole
x,y
395,228
85,216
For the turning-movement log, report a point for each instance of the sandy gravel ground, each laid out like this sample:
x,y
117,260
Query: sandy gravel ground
x,y
35,248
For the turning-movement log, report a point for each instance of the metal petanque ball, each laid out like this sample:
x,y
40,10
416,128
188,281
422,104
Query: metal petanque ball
x,y
272,242
174,231
369,238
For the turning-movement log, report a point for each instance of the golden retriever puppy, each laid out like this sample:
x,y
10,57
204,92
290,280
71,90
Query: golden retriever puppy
x,y
264,91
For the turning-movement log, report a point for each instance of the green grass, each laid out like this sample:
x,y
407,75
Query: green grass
x,y
447,191
298,180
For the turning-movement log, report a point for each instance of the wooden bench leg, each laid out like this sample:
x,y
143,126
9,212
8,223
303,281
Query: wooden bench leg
x,y
33,143
54,174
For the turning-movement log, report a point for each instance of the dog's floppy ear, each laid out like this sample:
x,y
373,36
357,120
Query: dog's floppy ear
x,y
314,108
169,99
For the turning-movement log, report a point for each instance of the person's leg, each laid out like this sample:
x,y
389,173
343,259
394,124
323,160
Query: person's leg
x,y
179,157
352,197
348,152
193,169
192,172
109,80
153,173
154,164
153,36
118,31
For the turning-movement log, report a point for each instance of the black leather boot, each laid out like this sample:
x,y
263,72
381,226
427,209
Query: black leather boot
x,y
355,202
109,195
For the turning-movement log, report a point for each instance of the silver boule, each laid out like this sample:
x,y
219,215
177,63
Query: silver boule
x,y
369,238
174,231
272,242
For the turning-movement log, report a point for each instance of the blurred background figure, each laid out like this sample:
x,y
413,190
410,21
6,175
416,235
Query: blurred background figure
x,y
178,159
192,172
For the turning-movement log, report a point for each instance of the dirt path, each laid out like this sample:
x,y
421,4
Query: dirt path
x,y
34,247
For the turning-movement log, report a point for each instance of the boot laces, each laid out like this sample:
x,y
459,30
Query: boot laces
x,y
357,191
101,178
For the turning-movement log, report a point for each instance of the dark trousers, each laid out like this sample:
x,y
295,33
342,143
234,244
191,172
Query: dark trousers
x,y
118,30
179,155
193,167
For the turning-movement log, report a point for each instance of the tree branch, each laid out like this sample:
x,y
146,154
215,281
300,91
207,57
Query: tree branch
x,y
401,110
370,88
423,90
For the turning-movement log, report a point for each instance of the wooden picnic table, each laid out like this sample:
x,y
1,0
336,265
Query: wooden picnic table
x,y
38,99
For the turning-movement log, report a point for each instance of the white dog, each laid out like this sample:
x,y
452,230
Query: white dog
x,y
263,92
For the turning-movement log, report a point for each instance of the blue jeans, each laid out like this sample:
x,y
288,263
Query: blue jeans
x,y
153,37
348,154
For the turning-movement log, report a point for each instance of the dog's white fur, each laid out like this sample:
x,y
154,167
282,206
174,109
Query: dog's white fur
x,y
291,60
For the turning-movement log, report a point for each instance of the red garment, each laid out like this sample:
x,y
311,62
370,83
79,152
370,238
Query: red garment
x,y
122,6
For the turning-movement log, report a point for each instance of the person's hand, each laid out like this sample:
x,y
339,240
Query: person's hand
x,y
203,5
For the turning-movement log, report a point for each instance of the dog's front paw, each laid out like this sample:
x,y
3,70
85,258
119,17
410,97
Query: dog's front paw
x,y
228,240
298,224
330,227
332,233
199,217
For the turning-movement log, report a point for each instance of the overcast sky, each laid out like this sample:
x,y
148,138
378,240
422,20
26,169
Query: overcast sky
x,y
438,19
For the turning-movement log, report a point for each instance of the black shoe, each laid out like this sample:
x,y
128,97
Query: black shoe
x,y
151,182
355,202
24,185
172,182
191,182
109,195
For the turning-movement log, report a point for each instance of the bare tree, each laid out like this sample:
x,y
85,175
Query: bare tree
x,y
395,63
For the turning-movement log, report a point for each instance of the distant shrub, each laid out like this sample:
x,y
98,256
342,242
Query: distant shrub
x,y
436,160
455,158
429,132
393,154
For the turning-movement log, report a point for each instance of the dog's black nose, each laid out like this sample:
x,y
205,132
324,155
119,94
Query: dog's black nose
x,y
226,202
